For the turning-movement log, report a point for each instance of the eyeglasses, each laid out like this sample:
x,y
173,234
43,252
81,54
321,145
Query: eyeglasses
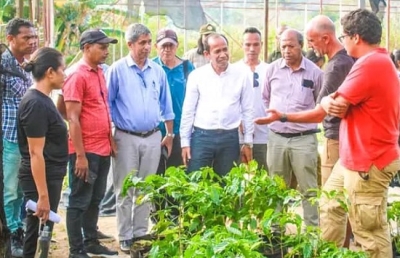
x,y
167,45
255,80
341,38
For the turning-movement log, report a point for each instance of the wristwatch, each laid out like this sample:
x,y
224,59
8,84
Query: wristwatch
x,y
250,145
170,135
283,118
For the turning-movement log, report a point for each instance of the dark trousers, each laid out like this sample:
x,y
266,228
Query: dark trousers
x,y
174,160
214,148
54,187
84,201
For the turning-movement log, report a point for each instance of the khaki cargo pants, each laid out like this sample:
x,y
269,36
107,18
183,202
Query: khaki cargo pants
x,y
367,203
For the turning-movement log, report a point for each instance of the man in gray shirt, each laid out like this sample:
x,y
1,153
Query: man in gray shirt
x,y
292,84
322,39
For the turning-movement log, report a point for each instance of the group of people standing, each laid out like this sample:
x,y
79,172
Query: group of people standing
x,y
204,112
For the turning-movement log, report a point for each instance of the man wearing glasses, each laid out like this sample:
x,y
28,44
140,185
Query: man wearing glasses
x,y
177,71
252,46
293,84
369,155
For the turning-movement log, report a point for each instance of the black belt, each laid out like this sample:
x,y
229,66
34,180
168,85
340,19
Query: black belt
x,y
291,135
140,134
215,130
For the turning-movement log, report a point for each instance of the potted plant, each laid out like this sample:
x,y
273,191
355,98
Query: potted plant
x,y
233,216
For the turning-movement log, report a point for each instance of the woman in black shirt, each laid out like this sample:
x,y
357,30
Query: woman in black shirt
x,y
42,140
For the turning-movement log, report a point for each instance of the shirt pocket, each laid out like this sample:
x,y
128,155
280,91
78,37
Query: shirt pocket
x,y
303,95
155,90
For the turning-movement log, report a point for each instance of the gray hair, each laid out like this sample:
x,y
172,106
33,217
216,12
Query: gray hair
x,y
134,31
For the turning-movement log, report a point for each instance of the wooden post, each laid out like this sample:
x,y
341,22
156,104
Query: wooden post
x,y
266,16
20,8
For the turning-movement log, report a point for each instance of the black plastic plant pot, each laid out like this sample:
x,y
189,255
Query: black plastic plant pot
x,y
141,246
140,251
273,248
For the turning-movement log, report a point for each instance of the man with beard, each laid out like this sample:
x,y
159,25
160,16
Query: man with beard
x,y
369,155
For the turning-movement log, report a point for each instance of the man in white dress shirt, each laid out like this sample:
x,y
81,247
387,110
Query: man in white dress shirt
x,y
252,45
218,97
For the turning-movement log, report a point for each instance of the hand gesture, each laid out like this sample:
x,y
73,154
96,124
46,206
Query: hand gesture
x,y
272,116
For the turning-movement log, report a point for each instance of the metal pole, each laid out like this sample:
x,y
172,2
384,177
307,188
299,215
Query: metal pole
x,y
221,15
361,4
184,25
387,25
244,13
320,6
266,15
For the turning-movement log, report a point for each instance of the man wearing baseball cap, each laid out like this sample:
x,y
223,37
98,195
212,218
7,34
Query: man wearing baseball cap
x,y
90,144
196,55
177,71
95,36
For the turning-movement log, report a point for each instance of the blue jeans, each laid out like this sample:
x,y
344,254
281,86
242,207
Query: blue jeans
x,y
13,196
214,148
84,201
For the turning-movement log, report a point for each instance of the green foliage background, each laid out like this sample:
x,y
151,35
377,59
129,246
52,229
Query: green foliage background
x,y
74,16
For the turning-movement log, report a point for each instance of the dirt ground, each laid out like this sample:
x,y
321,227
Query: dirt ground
x,y
60,249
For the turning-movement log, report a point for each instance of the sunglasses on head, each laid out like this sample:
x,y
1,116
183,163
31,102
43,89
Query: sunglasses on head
x,y
255,80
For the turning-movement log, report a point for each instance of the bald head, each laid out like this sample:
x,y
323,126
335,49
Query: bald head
x,y
321,24
292,33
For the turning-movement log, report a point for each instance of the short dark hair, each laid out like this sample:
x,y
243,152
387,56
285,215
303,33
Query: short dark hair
x,y
15,24
213,35
41,60
363,23
395,57
252,30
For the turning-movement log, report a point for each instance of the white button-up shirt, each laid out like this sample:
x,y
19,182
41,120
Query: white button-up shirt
x,y
260,131
215,101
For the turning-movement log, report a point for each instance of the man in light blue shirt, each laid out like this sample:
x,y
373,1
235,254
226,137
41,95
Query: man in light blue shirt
x,y
140,99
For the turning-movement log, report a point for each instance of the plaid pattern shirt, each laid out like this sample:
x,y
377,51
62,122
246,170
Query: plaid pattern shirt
x,y
13,91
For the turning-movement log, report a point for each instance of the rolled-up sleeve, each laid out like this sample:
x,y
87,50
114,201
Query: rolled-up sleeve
x,y
247,108
188,111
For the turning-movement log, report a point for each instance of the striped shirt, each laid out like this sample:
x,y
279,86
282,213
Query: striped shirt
x,y
14,90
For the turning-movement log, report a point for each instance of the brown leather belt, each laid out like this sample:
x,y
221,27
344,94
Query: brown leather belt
x,y
140,134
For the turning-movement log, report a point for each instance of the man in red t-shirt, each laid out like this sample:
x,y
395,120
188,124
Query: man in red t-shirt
x,y
369,156
90,144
